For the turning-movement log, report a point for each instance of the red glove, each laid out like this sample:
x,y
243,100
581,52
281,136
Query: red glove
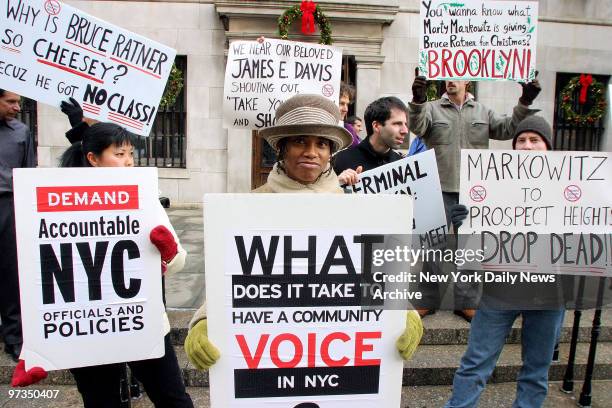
x,y
163,239
23,378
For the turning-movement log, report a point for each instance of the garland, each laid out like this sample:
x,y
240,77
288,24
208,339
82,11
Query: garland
x,y
291,14
597,95
174,86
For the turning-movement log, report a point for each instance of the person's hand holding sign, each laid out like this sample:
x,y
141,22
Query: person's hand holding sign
x,y
530,91
419,88
23,378
163,239
408,342
200,351
73,110
350,177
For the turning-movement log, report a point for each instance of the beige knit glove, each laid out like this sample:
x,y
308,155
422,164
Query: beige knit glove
x,y
408,342
200,351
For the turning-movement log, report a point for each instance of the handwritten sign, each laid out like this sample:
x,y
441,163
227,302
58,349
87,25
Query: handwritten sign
x,y
284,296
417,176
87,267
259,77
478,40
539,211
50,51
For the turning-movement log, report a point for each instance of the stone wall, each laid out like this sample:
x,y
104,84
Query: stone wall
x,y
571,38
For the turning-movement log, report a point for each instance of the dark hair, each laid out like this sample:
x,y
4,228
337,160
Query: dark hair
x,y
353,119
380,110
282,150
1,92
95,139
347,90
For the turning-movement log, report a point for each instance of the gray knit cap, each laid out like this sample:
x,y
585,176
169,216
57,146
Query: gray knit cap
x,y
536,124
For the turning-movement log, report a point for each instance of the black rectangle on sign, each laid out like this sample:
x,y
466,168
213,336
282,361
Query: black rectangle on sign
x,y
303,381
276,291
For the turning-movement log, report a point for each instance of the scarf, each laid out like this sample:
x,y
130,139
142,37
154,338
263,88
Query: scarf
x,y
279,182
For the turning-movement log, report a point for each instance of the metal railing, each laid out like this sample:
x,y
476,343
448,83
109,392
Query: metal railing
x,y
166,144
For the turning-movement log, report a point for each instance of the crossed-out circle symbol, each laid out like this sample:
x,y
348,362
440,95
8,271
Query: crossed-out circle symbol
x,y
572,193
328,90
52,7
478,193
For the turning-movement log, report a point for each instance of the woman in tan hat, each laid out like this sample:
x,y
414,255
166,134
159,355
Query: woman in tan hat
x,y
305,137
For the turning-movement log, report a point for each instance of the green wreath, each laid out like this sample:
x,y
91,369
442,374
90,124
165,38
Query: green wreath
x,y
289,16
596,93
174,86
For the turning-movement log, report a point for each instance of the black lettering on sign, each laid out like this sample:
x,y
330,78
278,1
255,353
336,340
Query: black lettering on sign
x,y
50,269
93,267
118,272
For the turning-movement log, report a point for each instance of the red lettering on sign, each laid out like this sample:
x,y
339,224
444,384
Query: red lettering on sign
x,y
252,361
87,198
360,348
360,339
330,362
297,355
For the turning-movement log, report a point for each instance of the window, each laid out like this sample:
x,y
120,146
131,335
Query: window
x,y
166,144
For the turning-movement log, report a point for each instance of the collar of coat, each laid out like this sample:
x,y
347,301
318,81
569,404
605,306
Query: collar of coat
x,y
279,182
366,146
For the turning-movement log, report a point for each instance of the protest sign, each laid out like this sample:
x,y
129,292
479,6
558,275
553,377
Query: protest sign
x,y
539,211
478,40
50,51
417,176
260,76
89,278
283,300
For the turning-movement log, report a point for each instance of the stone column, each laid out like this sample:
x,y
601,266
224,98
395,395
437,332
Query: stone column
x,y
368,80
239,160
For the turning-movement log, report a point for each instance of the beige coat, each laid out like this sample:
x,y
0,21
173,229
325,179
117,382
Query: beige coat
x,y
447,130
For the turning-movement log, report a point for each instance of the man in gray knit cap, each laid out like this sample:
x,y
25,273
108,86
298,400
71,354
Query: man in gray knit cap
x,y
491,327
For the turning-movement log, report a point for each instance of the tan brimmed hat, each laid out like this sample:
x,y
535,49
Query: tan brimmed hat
x,y
307,115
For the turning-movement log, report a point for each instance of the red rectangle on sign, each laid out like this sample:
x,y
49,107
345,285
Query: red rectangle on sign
x,y
87,198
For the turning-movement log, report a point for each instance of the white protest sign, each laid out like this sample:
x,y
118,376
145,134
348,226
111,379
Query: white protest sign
x,y
478,40
259,77
542,211
418,176
283,297
89,278
50,51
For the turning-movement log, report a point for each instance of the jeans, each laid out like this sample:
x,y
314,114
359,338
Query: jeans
x,y
487,337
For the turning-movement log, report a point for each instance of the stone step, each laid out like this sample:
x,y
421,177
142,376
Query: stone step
x,y
436,364
443,328
495,395
431,365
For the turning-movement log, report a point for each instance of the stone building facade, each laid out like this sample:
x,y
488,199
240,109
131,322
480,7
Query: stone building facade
x,y
381,35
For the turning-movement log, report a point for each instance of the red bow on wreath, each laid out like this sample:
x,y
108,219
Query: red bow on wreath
x,y
585,82
308,8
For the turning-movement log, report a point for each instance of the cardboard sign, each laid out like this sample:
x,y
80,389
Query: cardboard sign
x,y
417,176
50,51
283,300
259,77
540,211
478,40
89,277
